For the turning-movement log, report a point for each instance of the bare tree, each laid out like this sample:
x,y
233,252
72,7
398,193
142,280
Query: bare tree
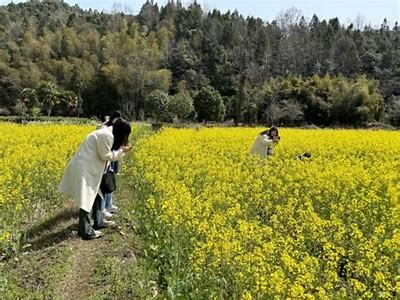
x,y
359,22
288,19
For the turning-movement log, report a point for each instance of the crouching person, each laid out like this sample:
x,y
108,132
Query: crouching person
x,y
265,143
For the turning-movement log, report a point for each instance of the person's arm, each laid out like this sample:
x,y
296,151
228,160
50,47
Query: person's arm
x,y
100,126
104,144
104,124
265,140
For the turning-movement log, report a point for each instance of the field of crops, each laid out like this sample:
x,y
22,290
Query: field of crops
x,y
32,160
220,223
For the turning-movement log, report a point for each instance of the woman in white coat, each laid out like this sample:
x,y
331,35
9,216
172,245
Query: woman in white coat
x,y
265,141
82,176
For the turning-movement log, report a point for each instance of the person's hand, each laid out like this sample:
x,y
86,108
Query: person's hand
x,y
126,149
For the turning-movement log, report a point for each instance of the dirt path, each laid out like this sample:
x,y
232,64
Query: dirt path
x,y
76,282
59,264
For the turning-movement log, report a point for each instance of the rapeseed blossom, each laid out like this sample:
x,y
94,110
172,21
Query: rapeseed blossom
x,y
32,160
225,224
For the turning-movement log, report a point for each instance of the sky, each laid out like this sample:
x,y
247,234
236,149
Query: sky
x,y
370,12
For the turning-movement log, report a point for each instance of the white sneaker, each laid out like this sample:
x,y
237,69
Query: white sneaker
x,y
111,224
112,209
97,234
107,214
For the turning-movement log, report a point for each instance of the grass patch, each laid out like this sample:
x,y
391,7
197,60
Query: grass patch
x,y
123,271
35,275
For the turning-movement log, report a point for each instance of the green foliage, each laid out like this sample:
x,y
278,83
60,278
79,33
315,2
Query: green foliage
x,y
101,96
156,103
27,119
181,106
46,97
209,105
321,101
9,93
393,111
115,60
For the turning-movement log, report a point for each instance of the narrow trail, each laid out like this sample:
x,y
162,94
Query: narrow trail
x,y
58,239
58,264
75,284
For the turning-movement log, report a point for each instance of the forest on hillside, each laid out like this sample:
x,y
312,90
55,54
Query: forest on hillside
x,y
179,62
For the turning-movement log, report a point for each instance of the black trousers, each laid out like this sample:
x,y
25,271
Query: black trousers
x,y
85,229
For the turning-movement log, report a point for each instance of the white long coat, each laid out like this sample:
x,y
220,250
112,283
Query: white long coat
x,y
84,171
263,146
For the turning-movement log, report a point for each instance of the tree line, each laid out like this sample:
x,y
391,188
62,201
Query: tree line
x,y
176,62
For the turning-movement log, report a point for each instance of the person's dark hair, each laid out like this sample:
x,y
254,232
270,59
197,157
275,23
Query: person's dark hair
x,y
305,156
121,132
268,131
115,115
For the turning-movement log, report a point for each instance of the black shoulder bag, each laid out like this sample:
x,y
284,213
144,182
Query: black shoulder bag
x,y
108,183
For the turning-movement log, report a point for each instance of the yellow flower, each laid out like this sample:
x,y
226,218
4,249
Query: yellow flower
x,y
222,221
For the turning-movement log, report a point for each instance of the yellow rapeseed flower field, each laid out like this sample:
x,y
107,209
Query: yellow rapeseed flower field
x,y
221,223
32,160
